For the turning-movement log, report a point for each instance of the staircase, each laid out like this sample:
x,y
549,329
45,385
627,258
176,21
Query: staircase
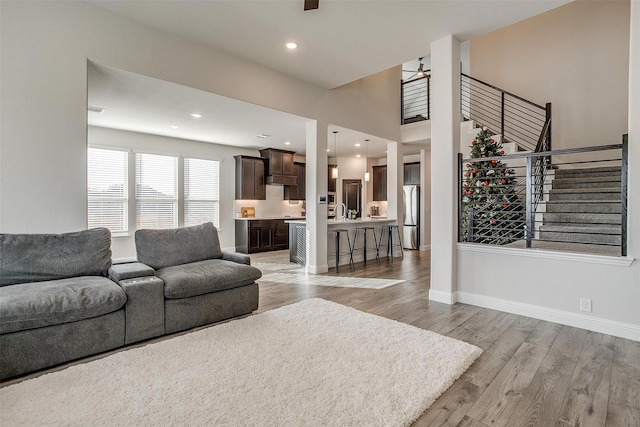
x,y
584,207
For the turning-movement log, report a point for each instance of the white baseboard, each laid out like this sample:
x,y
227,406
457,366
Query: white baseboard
x,y
443,297
425,247
583,321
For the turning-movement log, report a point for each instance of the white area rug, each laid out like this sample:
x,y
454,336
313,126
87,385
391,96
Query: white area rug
x,y
311,363
339,281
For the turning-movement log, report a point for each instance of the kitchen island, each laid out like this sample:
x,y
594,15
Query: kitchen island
x,y
298,239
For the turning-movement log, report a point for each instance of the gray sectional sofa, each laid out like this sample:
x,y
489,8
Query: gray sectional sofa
x,y
61,299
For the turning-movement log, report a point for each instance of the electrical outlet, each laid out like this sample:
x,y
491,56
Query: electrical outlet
x,y
585,304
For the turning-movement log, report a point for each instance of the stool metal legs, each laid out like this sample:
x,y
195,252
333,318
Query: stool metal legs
x,y
364,246
390,245
337,247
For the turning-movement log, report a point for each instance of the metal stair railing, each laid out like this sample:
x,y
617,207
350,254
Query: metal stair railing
x,y
584,209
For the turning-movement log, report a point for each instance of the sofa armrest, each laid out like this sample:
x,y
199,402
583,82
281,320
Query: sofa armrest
x,y
144,310
237,258
129,270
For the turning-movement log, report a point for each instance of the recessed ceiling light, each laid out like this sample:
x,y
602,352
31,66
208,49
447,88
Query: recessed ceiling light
x,y
263,135
173,127
357,155
328,150
291,45
196,115
357,144
287,143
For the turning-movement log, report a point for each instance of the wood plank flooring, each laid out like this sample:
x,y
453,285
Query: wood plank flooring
x,y
532,372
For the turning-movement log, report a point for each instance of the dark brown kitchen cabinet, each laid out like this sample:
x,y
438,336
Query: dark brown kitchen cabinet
x,y
412,173
250,178
279,166
332,184
298,191
379,183
261,235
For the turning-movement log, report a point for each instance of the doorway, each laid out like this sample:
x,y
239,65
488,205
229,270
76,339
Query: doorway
x,y
352,195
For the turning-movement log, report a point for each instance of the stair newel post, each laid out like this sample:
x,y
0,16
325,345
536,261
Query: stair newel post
x,y
548,136
401,102
502,115
623,195
460,239
529,202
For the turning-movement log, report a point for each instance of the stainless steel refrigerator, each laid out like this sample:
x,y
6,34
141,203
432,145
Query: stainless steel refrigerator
x,y
411,224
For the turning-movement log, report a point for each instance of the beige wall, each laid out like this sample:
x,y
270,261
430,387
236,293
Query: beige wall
x,y
576,57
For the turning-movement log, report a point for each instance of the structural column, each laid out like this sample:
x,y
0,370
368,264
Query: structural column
x,y
395,164
445,141
633,190
316,213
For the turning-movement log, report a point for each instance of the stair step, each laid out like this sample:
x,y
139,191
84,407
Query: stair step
x,y
605,193
589,182
587,172
552,218
605,235
584,206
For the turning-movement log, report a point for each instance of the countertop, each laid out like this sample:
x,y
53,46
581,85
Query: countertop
x,y
271,217
354,222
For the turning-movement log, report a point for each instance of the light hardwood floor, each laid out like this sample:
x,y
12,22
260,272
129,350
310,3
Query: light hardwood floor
x,y
532,372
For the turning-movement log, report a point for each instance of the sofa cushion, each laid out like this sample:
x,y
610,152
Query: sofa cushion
x,y
28,258
34,305
164,248
203,277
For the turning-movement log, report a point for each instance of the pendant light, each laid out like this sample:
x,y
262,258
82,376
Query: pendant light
x,y
366,158
334,171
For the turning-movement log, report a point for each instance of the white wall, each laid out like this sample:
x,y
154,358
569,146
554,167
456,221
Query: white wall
x,y
43,83
576,57
549,285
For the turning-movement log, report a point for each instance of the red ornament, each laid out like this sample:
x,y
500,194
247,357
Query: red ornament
x,y
493,222
505,205
467,174
502,152
493,162
473,142
469,192
492,141
475,171
486,183
472,163
465,185
502,181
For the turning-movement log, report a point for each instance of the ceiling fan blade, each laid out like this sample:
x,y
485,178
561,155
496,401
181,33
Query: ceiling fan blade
x,y
311,4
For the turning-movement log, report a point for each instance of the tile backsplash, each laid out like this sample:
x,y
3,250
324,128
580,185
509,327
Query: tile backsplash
x,y
274,205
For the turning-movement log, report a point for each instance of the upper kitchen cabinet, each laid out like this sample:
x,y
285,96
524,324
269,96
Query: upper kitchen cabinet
x,y
333,182
412,173
298,191
250,178
279,167
379,183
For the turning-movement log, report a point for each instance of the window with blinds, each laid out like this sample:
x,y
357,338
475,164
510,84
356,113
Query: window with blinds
x,y
201,191
156,191
107,189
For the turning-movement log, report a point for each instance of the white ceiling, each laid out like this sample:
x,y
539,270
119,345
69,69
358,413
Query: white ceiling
x,y
340,42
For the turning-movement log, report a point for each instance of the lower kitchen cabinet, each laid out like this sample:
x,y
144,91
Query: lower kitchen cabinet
x,y
261,235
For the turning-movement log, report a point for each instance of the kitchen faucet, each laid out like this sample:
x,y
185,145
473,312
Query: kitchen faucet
x,y
343,217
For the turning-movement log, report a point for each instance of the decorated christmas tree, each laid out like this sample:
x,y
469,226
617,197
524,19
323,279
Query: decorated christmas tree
x,y
489,193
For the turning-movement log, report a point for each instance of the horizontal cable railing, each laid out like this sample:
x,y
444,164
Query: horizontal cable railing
x,y
518,200
515,118
416,99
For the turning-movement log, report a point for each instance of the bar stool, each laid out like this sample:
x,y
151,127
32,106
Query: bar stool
x,y
388,230
337,251
364,246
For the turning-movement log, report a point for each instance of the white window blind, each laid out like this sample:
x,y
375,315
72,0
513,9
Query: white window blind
x,y
201,191
156,191
107,189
